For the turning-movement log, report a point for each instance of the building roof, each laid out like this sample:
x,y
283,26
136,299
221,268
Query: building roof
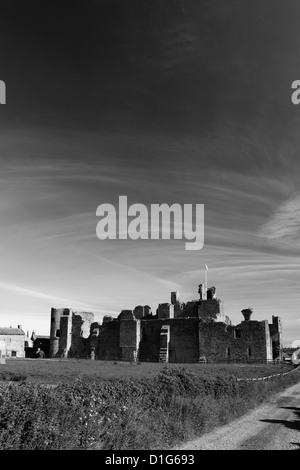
x,y
11,331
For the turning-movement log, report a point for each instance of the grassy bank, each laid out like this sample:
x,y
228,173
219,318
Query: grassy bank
x,y
54,371
154,412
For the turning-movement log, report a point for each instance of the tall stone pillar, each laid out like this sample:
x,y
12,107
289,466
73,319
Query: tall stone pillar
x,y
54,331
130,335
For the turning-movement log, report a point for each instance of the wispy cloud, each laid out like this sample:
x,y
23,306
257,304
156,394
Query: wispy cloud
x,y
41,295
283,227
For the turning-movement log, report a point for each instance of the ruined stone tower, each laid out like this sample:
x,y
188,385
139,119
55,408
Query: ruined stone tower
x,y
68,332
60,330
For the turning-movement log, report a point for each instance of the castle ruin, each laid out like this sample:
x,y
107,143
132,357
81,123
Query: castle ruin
x,y
178,332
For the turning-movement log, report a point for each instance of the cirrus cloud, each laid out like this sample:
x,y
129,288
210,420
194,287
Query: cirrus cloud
x,y
283,227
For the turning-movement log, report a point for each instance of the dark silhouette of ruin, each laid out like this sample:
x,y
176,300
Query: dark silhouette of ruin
x,y
195,331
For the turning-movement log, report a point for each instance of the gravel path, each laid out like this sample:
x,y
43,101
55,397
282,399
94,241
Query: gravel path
x,y
272,426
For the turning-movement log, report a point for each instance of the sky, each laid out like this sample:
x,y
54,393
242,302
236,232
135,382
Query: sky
x,y
164,101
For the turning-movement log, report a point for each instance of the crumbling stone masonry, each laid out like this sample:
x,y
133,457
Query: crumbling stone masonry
x,y
70,334
130,333
179,332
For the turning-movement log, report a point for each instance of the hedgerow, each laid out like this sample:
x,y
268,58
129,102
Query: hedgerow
x,y
145,413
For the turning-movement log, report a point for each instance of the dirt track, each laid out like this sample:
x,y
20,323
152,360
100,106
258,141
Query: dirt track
x,y
272,426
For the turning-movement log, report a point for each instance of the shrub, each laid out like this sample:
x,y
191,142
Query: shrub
x,y
146,413
11,376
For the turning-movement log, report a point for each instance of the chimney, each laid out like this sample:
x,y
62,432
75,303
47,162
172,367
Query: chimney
x,y
247,312
20,327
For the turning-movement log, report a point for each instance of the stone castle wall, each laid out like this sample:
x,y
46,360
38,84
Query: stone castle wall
x,y
130,333
248,341
189,339
150,340
276,337
184,340
178,333
65,335
81,330
108,342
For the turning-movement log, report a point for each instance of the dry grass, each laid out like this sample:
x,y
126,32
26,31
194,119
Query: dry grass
x,y
53,371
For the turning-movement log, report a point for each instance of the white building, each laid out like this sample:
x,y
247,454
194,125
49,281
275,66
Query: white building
x,y
12,342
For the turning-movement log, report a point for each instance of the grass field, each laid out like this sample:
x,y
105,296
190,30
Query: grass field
x,y
53,371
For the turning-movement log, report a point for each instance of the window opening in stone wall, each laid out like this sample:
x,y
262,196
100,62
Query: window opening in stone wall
x,y
57,333
14,354
249,352
237,333
227,352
